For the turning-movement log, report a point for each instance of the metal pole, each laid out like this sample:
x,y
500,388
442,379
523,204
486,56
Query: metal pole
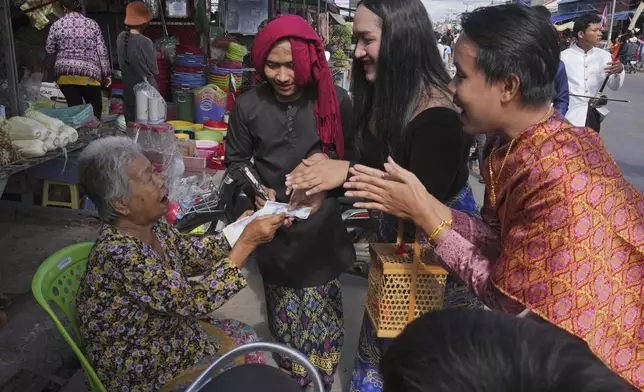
x,y
612,19
10,62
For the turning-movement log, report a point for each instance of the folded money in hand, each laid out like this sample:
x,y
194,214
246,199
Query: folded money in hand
x,y
234,230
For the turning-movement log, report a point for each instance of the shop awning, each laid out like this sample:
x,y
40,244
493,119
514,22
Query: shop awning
x,y
623,15
562,17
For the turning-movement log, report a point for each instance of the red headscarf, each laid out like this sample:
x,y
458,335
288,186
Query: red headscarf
x,y
310,66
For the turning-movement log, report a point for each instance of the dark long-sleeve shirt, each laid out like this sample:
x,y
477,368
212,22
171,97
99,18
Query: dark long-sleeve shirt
x,y
562,97
278,136
434,148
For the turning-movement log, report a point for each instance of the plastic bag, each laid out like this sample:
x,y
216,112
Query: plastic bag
x,y
198,193
30,89
158,144
150,105
74,116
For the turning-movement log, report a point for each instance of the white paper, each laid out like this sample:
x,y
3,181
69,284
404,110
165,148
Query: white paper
x,y
234,230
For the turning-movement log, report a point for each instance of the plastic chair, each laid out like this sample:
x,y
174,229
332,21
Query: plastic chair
x,y
251,372
56,282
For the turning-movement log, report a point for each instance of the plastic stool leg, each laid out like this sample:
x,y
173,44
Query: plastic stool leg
x,y
74,197
45,194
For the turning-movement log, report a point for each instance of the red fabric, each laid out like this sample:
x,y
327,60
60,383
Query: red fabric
x,y
310,66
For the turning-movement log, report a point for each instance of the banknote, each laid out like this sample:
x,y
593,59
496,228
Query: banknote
x,y
234,230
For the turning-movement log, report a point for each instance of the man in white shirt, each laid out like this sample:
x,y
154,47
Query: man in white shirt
x,y
587,67
439,45
446,54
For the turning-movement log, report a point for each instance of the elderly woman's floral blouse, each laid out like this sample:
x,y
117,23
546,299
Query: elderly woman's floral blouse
x,y
138,310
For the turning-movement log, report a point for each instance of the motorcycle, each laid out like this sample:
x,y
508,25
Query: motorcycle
x,y
362,227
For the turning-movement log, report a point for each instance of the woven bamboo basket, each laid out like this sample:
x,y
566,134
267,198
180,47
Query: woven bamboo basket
x,y
401,287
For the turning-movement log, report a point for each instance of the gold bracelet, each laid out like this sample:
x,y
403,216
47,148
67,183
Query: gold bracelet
x,y
438,229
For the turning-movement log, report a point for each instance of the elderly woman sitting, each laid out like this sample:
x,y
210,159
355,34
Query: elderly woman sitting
x,y
145,301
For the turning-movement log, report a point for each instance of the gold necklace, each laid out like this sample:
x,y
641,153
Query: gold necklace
x,y
494,182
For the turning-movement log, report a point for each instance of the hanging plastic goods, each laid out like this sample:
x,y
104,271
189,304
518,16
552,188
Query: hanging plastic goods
x,y
39,15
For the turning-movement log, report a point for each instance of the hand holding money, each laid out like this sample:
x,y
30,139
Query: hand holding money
x,y
234,231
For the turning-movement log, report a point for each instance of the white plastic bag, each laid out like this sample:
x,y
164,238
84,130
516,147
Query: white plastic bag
x,y
150,105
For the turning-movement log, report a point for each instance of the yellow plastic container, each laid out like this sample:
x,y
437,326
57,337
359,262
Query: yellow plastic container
x,y
182,125
182,136
197,127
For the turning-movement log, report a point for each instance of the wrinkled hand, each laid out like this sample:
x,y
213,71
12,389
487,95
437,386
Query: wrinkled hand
x,y
108,82
317,174
614,68
396,191
300,199
262,229
259,201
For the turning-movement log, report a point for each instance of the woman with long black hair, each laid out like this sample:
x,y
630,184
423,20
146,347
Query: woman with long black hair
x,y
402,108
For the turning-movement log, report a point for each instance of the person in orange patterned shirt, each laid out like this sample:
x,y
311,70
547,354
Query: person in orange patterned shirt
x,y
562,232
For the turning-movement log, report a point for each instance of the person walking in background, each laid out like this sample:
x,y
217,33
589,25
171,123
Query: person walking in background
x,y
439,45
562,97
561,237
299,113
81,60
447,51
137,57
588,67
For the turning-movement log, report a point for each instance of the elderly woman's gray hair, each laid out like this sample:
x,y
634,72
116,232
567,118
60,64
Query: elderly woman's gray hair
x,y
102,171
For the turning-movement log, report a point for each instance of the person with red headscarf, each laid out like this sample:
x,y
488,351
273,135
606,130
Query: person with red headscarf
x,y
297,114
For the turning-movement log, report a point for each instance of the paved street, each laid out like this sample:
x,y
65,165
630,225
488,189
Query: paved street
x,y
623,129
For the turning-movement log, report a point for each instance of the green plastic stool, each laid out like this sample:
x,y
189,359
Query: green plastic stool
x,y
57,282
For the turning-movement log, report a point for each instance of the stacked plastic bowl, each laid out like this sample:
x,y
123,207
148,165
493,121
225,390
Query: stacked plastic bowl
x,y
189,66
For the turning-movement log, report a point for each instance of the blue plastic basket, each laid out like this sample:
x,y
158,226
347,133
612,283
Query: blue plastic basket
x,y
74,116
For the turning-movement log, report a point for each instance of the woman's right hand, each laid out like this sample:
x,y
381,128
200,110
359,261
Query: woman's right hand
x,y
315,175
262,229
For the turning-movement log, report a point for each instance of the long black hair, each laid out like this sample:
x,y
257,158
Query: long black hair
x,y
128,34
408,64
